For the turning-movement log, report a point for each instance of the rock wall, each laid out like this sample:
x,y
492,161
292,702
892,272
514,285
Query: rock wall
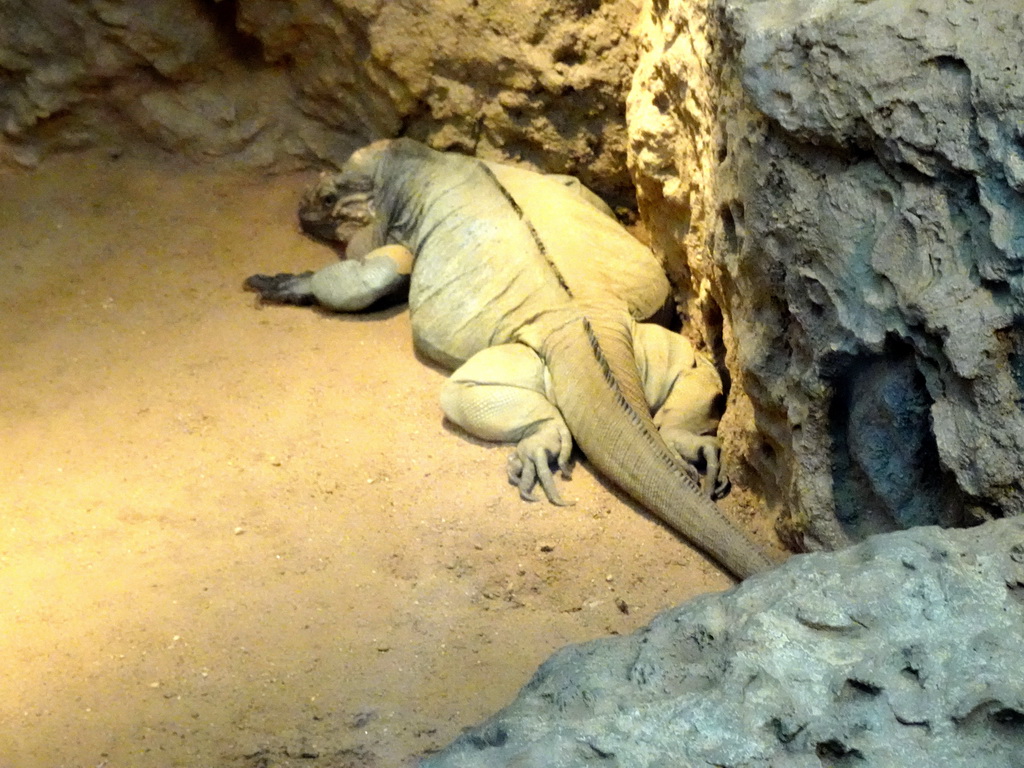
x,y
904,650
840,190
284,83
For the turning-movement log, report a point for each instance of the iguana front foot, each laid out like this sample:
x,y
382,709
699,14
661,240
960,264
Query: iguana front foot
x,y
284,288
531,462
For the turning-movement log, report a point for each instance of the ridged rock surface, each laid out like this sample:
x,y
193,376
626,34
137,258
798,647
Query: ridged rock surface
x,y
839,190
905,650
282,83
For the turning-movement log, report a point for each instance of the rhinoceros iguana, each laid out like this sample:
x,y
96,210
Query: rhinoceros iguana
x,y
529,289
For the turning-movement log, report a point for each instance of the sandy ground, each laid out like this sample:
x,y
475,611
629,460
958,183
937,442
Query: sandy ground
x,y
244,536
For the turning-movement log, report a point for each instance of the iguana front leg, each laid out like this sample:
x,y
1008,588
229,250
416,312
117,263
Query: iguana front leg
x,y
500,395
685,395
350,285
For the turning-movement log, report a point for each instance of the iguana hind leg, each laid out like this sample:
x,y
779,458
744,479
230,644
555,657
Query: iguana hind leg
x,y
685,394
500,395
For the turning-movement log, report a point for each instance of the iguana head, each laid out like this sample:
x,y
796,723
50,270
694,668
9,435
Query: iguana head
x,y
340,204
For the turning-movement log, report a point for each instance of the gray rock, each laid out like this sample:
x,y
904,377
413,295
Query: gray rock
x,y
854,245
906,650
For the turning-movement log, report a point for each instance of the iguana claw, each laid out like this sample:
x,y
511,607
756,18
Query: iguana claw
x,y
283,288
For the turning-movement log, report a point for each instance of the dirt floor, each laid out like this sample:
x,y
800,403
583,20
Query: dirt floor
x,y
244,536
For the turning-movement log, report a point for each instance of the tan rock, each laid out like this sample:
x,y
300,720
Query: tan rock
x,y
285,83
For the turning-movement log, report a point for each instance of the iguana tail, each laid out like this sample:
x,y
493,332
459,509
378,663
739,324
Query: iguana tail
x,y
598,389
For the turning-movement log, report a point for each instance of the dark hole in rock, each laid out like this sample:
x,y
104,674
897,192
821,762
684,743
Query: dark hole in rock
x,y
836,753
886,470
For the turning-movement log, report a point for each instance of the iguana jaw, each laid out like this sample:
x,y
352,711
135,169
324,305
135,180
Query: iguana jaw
x,y
347,242
330,229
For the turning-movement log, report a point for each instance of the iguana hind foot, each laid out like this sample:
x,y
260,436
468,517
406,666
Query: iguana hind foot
x,y
500,395
685,395
702,453
531,462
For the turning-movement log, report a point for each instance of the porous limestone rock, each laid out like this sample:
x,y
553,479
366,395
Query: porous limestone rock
x,y
839,190
282,83
905,650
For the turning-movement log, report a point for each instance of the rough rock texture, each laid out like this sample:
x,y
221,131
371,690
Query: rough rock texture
x,y
278,83
839,189
905,650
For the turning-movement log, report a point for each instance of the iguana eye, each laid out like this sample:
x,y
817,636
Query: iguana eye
x,y
329,198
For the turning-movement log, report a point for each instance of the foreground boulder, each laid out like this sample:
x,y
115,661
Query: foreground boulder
x,y
905,650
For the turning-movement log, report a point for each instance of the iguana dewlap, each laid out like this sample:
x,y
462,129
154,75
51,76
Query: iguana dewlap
x,y
529,289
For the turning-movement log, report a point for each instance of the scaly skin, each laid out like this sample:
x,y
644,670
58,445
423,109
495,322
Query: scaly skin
x,y
503,256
